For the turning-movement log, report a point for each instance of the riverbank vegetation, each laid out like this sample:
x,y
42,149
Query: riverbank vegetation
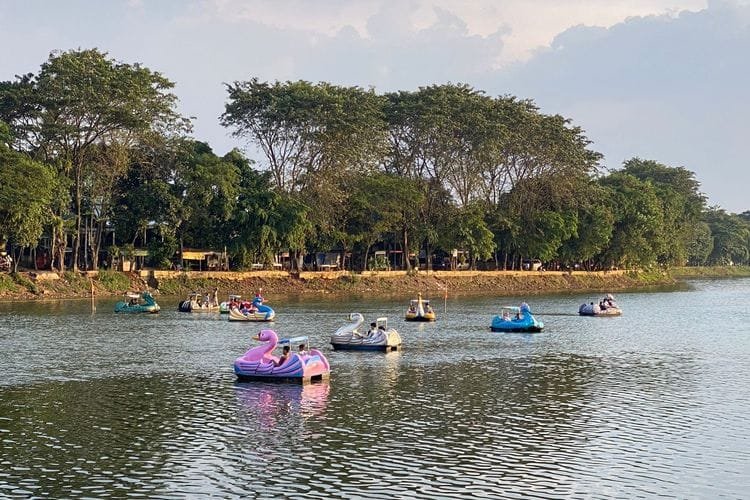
x,y
96,166
710,272
50,285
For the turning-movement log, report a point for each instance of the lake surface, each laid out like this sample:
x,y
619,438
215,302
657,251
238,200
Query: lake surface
x,y
652,403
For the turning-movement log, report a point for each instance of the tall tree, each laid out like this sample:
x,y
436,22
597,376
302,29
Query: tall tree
x,y
307,131
26,196
636,235
80,102
682,206
731,238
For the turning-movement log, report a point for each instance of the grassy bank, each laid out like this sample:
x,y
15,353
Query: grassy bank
x,y
710,272
29,286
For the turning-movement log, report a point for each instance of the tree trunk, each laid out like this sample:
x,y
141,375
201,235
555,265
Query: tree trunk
x,y
77,235
405,249
62,242
96,245
16,256
367,254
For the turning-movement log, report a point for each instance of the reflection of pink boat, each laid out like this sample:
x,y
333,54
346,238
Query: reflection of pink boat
x,y
270,403
259,363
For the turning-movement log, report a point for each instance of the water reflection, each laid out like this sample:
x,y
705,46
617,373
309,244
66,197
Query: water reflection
x,y
271,403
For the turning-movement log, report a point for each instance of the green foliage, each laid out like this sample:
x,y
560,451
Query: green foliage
x,y
26,193
183,285
638,222
470,232
378,263
7,283
128,251
701,244
161,251
114,281
343,168
710,272
173,286
307,131
82,112
265,221
76,281
731,238
681,206
25,282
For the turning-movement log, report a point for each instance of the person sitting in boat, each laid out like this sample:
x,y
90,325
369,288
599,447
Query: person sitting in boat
x,y
302,351
247,307
506,316
373,330
284,356
610,300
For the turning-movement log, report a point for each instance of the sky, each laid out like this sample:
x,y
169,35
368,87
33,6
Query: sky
x,y
663,80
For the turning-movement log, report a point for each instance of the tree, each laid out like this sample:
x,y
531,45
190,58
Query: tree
x,y
26,195
265,221
682,206
383,205
437,132
470,232
638,222
307,131
80,103
731,238
593,228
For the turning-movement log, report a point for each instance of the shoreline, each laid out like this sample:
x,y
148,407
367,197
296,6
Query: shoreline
x,y
47,285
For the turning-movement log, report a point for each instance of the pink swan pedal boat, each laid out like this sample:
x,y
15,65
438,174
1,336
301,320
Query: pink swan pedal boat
x,y
259,363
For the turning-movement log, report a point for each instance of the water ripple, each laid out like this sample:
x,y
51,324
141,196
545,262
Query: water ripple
x,y
98,405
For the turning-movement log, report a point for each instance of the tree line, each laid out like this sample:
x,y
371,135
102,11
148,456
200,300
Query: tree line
x,y
95,159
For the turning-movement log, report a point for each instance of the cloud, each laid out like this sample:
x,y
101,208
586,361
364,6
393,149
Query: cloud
x,y
660,79
668,88
525,24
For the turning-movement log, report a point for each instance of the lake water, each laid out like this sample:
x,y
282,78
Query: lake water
x,y
652,403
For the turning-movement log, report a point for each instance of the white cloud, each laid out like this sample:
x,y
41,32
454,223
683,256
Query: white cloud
x,y
525,24
660,79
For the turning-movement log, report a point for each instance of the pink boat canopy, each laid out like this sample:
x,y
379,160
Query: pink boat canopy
x,y
300,364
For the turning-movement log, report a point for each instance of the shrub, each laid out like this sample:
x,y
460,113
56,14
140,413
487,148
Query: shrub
x,y
26,283
77,282
114,281
7,284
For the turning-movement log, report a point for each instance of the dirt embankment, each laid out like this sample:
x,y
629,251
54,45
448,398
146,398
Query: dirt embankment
x,y
26,286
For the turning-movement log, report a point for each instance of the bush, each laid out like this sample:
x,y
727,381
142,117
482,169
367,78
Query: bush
x,y
114,281
7,284
378,263
26,283
77,282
